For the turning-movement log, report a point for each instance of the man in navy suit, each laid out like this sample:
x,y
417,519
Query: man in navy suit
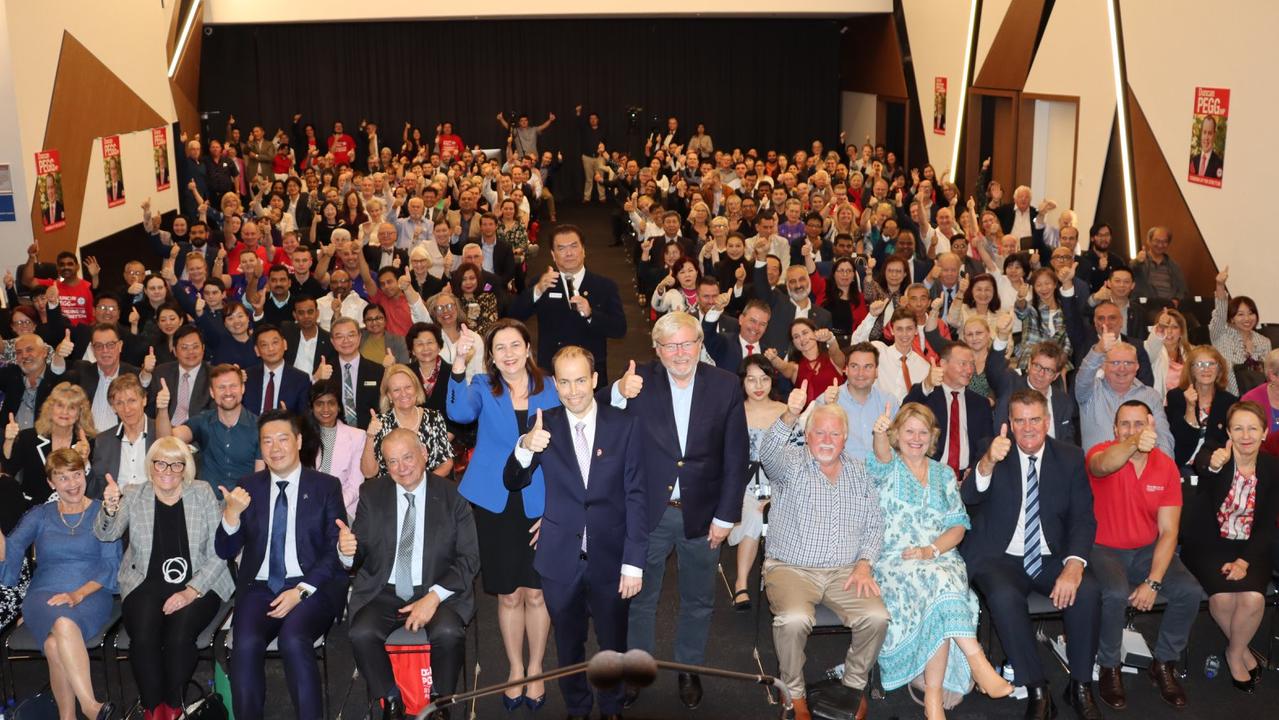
x,y
291,584
963,416
573,305
594,534
729,347
1033,530
695,467
1047,360
275,383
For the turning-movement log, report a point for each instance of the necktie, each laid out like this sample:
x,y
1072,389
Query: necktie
x,y
569,281
404,553
1033,550
268,398
583,452
952,434
276,571
750,348
183,410
950,296
906,373
1203,163
348,395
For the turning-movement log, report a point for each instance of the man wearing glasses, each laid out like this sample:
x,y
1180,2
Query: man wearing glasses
x,y
696,473
95,377
1100,397
1042,375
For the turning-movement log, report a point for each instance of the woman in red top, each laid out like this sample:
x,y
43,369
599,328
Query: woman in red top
x,y
815,358
841,295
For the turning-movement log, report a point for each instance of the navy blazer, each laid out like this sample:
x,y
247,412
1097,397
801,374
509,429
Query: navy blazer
x,y
1064,409
712,469
980,420
559,324
1065,506
293,388
613,508
319,508
724,348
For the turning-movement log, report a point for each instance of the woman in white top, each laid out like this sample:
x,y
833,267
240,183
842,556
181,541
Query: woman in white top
x,y
444,310
762,410
1234,333
1168,348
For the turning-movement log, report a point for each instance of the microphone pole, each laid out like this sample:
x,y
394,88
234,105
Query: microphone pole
x,y
458,699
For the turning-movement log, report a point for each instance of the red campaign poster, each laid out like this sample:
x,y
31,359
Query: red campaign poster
x,y
53,213
939,105
160,149
113,175
1208,136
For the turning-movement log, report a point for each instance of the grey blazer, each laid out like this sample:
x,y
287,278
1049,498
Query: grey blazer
x,y
106,456
137,515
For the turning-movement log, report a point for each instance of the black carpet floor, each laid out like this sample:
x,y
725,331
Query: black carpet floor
x,y
735,634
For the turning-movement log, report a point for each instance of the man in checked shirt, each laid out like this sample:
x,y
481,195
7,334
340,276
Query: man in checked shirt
x,y
827,529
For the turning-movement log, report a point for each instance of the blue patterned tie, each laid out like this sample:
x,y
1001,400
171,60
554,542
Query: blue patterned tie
x,y
1033,561
279,534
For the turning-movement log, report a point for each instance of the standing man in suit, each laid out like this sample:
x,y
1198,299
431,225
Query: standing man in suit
x,y
729,347
696,473
27,382
306,343
385,253
1047,361
121,451
594,534
498,255
573,305
188,376
291,585
361,380
1018,219
415,555
275,383
963,416
1033,530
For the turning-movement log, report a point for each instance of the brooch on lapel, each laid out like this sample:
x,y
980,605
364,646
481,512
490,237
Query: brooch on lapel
x,y
599,452
305,496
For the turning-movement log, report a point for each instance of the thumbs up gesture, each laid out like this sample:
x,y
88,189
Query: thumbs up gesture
x,y
631,383
935,375
162,396
324,370
831,395
148,363
375,424
237,501
66,347
347,542
82,445
11,429
1147,440
1221,456
537,439
1000,446
798,399
111,496
883,422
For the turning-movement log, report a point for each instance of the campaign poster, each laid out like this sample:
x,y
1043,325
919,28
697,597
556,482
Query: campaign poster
x,y
160,149
1208,136
939,105
53,213
114,175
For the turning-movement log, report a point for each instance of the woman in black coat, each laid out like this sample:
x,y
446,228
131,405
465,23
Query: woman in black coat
x,y
1197,407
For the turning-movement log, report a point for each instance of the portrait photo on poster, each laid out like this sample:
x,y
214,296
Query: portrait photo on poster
x,y
1208,136
53,213
113,174
160,151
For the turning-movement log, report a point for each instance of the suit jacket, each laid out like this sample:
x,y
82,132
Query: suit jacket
x,y
85,374
450,550
316,532
980,420
1065,506
106,456
1064,409
170,372
504,266
724,346
612,508
560,324
368,389
712,468
777,335
323,346
292,388
203,513
1007,213
1214,165
12,385
373,256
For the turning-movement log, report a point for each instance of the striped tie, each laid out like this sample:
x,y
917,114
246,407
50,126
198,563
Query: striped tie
x,y
583,452
404,553
1033,561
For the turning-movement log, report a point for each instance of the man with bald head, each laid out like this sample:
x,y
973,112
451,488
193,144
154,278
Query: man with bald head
x,y
943,281
1100,397
414,229
385,253
27,382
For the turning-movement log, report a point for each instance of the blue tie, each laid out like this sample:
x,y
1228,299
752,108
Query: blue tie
x,y
1033,561
279,535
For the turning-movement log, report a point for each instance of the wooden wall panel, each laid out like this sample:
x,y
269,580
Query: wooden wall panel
x,y
871,57
185,83
1008,62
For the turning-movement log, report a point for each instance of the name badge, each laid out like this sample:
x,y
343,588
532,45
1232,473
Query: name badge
x,y
370,383
555,295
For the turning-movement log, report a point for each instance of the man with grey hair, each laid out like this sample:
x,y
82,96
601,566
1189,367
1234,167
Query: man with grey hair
x,y
1018,219
696,475
1156,274
1100,397
822,557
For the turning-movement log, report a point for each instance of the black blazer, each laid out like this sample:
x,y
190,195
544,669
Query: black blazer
x,y
106,456
323,346
169,373
723,346
12,384
1185,438
85,374
373,256
450,548
613,508
980,420
504,266
26,463
559,323
1007,213
293,389
712,470
1064,409
368,389
1065,506
777,334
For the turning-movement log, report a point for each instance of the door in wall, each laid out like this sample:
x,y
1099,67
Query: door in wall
x,y
1054,134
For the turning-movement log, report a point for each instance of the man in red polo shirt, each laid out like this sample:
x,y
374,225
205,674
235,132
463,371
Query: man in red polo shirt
x,y
75,294
1137,500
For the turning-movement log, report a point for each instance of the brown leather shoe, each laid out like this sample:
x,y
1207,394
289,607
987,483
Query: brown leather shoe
x,y
1110,685
862,708
1164,676
799,709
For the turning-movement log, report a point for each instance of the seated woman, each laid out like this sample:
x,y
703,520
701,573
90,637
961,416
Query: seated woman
x,y
1197,405
762,410
1233,329
65,421
926,590
69,600
171,579
816,358
339,447
378,345
1267,395
1226,534
1168,347
477,302
402,406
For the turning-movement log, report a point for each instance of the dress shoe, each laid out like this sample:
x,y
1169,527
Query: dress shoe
x,y
837,702
1164,676
690,690
1079,697
1110,686
1039,705
513,703
580,717
392,709
799,709
535,705
106,712
629,696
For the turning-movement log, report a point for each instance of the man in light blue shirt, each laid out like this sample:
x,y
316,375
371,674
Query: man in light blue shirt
x,y
861,398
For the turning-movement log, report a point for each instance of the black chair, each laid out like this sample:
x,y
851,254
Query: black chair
x,y
19,645
119,642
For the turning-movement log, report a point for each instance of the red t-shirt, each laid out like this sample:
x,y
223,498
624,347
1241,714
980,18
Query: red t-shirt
x,y
451,144
341,146
1127,506
233,258
76,301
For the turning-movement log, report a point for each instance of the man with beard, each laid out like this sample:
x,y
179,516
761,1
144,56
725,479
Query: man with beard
x,y
227,433
795,302
1097,262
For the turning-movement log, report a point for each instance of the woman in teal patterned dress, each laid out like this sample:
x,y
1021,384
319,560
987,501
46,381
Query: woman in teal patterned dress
x,y
923,579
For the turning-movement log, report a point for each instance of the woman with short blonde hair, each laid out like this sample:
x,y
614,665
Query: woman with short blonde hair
x,y
402,406
65,421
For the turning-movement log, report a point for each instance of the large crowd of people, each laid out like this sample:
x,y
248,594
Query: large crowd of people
x,y
936,401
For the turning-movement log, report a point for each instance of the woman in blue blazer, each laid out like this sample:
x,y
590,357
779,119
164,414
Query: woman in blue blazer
x,y
504,401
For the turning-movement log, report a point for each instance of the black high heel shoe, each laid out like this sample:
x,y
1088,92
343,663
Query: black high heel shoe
x,y
106,712
1247,686
533,704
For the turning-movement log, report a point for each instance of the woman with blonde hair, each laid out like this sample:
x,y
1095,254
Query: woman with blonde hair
x,y
1168,347
1197,405
171,579
65,421
402,406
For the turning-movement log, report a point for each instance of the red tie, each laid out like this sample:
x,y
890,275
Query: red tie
x,y
952,434
268,400
750,349
906,373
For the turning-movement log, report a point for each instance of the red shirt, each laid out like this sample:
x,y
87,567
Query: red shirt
x,y
76,300
233,258
1127,506
819,377
341,146
451,144
399,318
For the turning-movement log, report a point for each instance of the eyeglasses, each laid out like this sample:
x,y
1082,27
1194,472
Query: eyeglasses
x,y
1122,363
109,345
161,466
1205,365
1043,369
23,322
678,347
445,306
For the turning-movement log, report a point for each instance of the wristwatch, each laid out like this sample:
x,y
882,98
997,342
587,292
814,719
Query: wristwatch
x,y
303,593
1154,584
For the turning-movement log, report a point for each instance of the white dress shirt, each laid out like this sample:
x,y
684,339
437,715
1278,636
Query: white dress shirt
x,y
305,358
890,378
133,457
1017,546
292,568
269,374
962,420
103,415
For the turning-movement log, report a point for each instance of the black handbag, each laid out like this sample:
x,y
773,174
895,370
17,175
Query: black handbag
x,y
40,706
207,705
1249,375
